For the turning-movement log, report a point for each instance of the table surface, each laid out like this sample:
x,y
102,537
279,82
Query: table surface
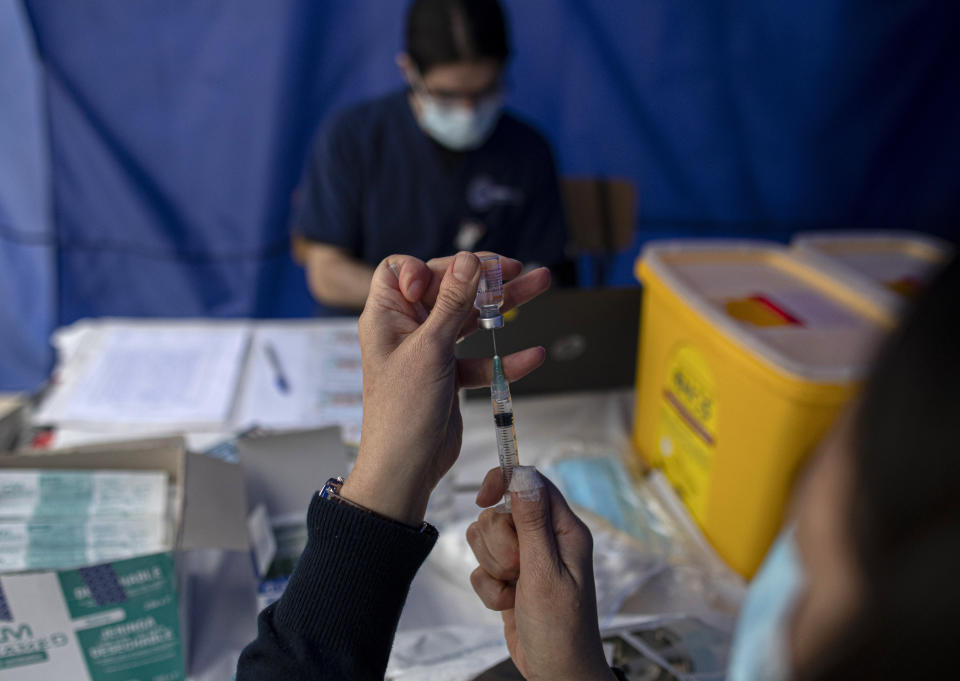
x,y
223,585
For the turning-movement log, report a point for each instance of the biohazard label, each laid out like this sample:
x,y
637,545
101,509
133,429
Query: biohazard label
x,y
688,427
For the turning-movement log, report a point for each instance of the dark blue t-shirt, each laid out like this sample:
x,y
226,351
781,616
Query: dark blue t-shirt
x,y
376,184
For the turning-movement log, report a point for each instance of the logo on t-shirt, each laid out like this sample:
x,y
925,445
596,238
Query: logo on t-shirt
x,y
483,194
470,233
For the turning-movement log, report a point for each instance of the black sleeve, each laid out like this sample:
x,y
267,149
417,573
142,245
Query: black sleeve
x,y
338,615
327,205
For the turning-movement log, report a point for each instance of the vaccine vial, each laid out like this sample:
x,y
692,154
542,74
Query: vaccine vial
x,y
490,293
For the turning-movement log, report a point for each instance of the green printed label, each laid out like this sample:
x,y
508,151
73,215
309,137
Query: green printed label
x,y
137,634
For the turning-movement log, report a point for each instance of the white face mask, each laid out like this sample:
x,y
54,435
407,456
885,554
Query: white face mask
x,y
459,127
761,645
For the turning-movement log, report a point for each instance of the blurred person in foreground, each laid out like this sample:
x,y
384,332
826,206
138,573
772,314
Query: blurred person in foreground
x,y
861,584
430,169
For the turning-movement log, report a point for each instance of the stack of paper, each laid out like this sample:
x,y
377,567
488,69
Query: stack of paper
x,y
53,519
206,379
147,375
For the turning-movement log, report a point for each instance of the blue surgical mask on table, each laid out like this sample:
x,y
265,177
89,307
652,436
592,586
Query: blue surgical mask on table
x,y
761,645
459,127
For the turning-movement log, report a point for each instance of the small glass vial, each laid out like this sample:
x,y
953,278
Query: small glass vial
x,y
490,293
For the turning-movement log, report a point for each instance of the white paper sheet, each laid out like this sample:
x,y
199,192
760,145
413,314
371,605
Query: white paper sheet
x,y
321,378
197,440
152,374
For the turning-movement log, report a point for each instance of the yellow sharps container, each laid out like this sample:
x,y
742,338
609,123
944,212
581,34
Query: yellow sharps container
x,y
746,355
893,266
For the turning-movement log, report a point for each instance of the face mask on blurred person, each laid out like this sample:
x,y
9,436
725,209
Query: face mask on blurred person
x,y
459,127
761,645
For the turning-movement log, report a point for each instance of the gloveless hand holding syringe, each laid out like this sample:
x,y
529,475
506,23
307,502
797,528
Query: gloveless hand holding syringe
x,y
489,301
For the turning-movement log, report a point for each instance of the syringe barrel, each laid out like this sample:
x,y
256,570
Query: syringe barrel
x,y
506,444
504,426
506,436
500,395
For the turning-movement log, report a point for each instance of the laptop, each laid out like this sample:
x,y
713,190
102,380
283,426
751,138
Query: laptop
x,y
590,337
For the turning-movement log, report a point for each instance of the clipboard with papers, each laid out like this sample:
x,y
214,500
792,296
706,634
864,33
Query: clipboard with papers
x,y
120,377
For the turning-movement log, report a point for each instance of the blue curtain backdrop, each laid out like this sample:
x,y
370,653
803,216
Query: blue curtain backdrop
x,y
27,256
177,131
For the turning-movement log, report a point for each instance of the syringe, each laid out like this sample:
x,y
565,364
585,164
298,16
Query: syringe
x,y
506,432
488,302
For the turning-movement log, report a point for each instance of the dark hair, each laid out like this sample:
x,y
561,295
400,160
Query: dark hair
x,y
448,31
905,507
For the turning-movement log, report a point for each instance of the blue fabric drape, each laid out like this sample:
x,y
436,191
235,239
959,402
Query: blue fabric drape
x,y
177,130
27,256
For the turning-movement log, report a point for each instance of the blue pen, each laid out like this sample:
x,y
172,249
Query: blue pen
x,y
280,377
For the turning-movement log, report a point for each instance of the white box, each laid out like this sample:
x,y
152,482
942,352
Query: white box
x,y
126,619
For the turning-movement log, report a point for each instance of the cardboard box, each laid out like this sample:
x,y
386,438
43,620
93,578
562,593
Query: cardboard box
x,y
127,619
11,420
283,470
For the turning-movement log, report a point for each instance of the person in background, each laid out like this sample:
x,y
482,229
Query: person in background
x,y
861,584
431,169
